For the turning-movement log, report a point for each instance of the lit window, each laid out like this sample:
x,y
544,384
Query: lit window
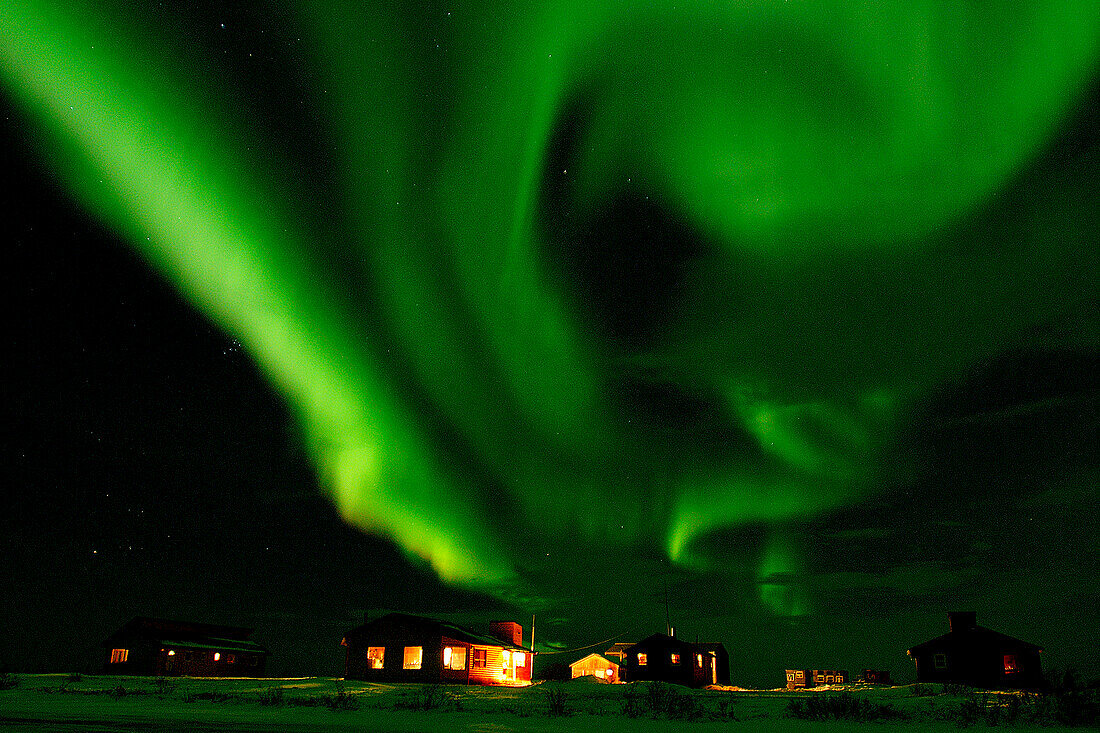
x,y
454,657
217,656
507,658
790,677
698,660
171,652
376,657
479,658
940,661
642,660
1010,664
799,674
609,673
519,659
674,657
119,656
829,679
414,655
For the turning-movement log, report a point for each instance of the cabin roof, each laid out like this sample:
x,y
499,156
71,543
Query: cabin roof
x,y
444,628
970,637
225,645
183,633
590,656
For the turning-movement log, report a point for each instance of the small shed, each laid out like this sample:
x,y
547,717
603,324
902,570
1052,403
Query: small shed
x,y
973,655
151,646
597,666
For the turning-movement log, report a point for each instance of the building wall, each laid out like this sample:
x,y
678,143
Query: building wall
x,y
596,667
980,667
659,666
492,672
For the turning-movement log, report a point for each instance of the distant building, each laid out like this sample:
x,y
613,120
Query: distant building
x,y
973,655
797,678
876,676
618,651
667,659
400,647
149,646
597,666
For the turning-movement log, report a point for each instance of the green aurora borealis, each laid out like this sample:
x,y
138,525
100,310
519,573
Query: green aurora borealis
x,y
825,240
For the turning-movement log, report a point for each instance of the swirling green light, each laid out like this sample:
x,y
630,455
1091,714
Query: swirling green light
x,y
461,402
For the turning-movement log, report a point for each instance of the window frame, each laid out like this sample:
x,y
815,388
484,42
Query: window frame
x,y
380,657
479,659
418,662
939,660
643,659
120,656
451,655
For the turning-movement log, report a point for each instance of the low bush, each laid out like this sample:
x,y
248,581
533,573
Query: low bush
x,y
840,707
272,697
426,697
74,677
212,696
556,702
661,699
8,681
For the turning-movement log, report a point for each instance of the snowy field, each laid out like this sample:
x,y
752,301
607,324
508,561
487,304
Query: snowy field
x,y
103,703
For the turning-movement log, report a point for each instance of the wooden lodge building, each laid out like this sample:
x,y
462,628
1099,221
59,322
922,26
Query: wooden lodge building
x,y
400,647
149,646
973,655
597,666
667,659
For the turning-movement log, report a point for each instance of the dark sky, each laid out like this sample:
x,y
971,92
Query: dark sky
x,y
153,468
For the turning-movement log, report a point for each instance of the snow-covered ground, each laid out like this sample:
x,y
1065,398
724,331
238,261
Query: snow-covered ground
x,y
103,703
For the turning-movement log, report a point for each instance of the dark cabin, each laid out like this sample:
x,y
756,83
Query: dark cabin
x,y
973,655
149,646
667,659
400,647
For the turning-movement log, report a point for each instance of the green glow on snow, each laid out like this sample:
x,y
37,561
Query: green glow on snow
x,y
460,404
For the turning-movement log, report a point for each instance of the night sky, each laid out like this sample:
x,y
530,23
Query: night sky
x,y
325,309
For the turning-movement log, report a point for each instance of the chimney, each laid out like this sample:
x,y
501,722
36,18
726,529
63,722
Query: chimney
x,y
507,631
962,620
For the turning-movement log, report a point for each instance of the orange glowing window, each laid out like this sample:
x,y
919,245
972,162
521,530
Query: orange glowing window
x,y
118,656
609,673
414,656
479,658
454,657
643,660
698,660
376,657
217,656
519,659
171,652
1010,664
674,658
506,658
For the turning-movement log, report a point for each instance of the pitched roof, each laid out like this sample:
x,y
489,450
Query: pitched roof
x,y
971,636
444,628
186,634
597,656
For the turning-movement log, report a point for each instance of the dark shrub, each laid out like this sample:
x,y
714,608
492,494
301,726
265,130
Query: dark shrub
x,y
840,707
555,702
272,697
8,681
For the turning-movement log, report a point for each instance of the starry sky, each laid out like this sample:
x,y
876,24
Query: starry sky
x,y
324,309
